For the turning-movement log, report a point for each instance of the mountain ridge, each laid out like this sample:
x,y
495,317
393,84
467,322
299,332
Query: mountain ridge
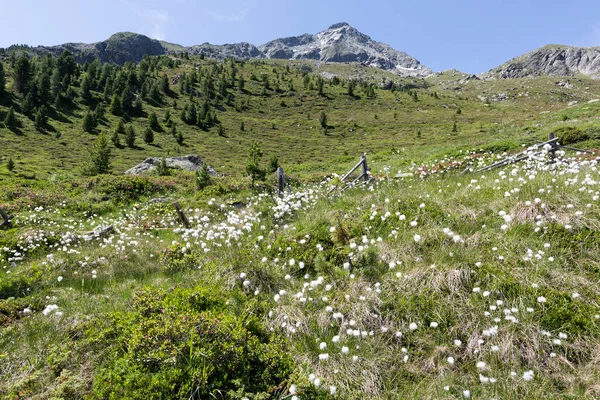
x,y
339,43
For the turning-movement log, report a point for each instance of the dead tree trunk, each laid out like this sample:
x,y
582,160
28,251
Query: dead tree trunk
x,y
181,215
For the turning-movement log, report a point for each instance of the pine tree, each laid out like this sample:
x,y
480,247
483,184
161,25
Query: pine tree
x,y
454,128
253,167
179,138
173,130
202,177
162,169
99,157
165,85
89,122
350,89
138,107
242,126
153,121
323,119
27,105
148,135
2,81
10,165
22,74
10,120
41,118
320,86
115,138
273,164
130,137
115,106
221,130
167,118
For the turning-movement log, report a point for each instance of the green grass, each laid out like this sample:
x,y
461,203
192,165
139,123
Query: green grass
x,y
153,311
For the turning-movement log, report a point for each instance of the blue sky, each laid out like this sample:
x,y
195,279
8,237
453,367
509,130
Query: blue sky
x,y
470,35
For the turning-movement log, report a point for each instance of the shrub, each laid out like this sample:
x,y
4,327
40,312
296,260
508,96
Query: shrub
x,y
570,134
167,349
123,188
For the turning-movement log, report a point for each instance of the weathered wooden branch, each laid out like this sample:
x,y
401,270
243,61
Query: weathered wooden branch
x,y
7,219
364,174
100,232
282,183
181,215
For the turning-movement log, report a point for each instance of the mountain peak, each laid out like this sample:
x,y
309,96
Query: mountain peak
x,y
343,43
339,25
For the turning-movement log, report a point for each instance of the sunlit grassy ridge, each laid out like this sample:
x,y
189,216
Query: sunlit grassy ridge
x,y
284,119
447,286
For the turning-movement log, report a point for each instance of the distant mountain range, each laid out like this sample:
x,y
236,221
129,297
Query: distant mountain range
x,y
340,43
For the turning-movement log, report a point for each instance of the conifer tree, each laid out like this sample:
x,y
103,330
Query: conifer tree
x,y
115,106
153,121
89,122
130,137
22,74
2,82
115,138
253,167
202,177
148,135
41,118
99,157
179,138
10,120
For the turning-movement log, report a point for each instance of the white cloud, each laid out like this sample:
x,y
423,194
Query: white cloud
x,y
241,12
155,22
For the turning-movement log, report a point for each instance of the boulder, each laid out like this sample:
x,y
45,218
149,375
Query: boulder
x,y
189,163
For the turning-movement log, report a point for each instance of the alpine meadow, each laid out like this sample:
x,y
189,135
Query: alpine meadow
x,y
180,222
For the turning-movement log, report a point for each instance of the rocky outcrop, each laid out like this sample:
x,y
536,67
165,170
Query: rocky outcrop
x,y
189,163
118,49
343,43
237,50
553,60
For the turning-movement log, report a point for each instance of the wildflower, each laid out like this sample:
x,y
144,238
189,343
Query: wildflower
x,y
332,390
60,278
466,394
335,339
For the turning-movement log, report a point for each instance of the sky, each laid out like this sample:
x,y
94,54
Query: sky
x,y
472,36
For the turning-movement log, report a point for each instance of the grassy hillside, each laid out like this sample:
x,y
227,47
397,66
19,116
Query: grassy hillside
x,y
447,286
285,123
425,283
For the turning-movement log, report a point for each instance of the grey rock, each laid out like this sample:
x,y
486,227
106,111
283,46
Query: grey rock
x,y
241,51
189,163
556,60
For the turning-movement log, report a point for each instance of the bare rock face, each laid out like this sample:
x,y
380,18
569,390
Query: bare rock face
x,y
343,43
552,60
189,163
241,51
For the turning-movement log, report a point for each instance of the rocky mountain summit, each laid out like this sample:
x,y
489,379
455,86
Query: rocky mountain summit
x,y
343,43
118,49
338,43
555,60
